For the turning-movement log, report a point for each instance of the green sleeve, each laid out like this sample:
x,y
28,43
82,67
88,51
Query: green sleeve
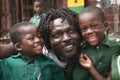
x,y
80,73
115,67
46,73
0,70
52,72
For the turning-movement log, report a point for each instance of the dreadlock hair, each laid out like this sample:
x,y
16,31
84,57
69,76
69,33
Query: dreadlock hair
x,y
65,14
92,9
15,31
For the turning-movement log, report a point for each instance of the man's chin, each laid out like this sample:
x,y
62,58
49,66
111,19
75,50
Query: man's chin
x,y
70,55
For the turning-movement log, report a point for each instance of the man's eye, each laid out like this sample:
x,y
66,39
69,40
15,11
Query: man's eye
x,y
31,38
56,35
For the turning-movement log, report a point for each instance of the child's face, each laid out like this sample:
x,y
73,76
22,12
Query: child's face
x,y
31,41
64,39
92,28
38,7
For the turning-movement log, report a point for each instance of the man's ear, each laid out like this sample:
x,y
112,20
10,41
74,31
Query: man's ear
x,y
18,46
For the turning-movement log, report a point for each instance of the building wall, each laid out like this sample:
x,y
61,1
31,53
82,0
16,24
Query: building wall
x,y
13,11
5,20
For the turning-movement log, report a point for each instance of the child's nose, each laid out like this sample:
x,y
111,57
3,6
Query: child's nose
x,y
89,30
37,39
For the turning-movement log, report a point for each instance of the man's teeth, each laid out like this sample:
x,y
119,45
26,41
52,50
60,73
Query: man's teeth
x,y
69,47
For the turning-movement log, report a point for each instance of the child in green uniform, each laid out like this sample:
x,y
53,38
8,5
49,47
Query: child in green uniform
x,y
29,63
38,6
97,45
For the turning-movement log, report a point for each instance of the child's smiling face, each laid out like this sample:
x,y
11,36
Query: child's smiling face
x,y
92,27
31,42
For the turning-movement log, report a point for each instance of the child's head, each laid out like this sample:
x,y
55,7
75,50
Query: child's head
x,y
92,25
38,6
27,39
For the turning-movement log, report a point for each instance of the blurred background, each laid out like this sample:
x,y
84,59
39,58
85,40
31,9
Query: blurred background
x,y
13,11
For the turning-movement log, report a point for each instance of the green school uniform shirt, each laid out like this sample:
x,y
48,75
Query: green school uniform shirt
x,y
39,68
36,19
116,67
100,55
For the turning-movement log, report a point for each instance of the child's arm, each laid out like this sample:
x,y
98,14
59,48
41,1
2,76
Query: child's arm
x,y
85,61
6,50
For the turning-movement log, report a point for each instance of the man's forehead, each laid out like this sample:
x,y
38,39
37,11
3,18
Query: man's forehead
x,y
59,22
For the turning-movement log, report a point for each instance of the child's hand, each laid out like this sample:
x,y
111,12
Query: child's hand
x,y
85,61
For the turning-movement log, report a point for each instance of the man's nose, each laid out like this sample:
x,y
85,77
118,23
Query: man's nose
x,y
66,37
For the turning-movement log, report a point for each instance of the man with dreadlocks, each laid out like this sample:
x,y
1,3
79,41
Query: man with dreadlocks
x,y
62,38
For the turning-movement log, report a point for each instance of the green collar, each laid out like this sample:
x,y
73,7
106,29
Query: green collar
x,y
19,55
105,41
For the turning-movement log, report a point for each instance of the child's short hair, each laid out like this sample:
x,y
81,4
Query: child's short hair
x,y
93,9
15,31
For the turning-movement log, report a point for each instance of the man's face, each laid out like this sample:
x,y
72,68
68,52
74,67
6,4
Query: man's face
x,y
92,28
64,39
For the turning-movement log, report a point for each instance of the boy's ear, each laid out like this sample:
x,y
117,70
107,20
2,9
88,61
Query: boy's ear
x,y
106,27
106,24
18,46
